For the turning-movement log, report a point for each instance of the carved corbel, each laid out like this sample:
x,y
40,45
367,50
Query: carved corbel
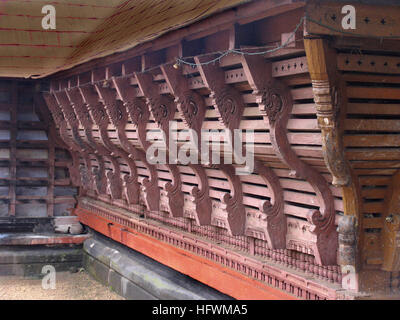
x,y
192,109
69,116
227,100
275,217
119,118
83,116
275,104
139,114
330,101
163,109
59,120
232,202
190,104
327,98
100,118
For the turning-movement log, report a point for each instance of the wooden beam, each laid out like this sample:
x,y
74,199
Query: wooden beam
x,y
373,21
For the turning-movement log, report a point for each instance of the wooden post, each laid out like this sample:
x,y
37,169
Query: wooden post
x,y
330,102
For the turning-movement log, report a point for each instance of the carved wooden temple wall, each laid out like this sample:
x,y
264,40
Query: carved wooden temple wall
x,y
322,203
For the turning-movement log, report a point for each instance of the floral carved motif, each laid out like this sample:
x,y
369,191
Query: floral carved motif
x,y
191,108
163,110
227,100
273,95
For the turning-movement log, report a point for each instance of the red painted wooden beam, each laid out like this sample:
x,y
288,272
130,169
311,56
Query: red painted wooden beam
x,y
208,272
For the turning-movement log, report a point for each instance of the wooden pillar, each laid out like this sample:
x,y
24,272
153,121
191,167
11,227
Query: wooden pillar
x,y
330,101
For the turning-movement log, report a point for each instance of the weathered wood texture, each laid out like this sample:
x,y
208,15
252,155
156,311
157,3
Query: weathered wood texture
x,y
33,167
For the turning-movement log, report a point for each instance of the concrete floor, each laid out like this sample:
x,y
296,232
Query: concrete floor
x,y
69,286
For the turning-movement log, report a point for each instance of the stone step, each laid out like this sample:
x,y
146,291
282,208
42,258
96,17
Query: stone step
x,y
28,261
7,239
137,277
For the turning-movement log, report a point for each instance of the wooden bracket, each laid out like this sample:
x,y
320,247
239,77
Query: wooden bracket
x,y
192,109
275,103
139,113
233,202
59,120
163,110
70,118
276,219
329,97
190,104
100,118
119,118
85,120
226,99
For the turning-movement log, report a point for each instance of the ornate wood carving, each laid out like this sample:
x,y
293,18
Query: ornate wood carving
x,y
100,118
119,117
59,120
275,103
326,99
139,113
329,97
87,172
229,105
192,109
275,217
233,202
163,110
83,116
226,99
190,104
